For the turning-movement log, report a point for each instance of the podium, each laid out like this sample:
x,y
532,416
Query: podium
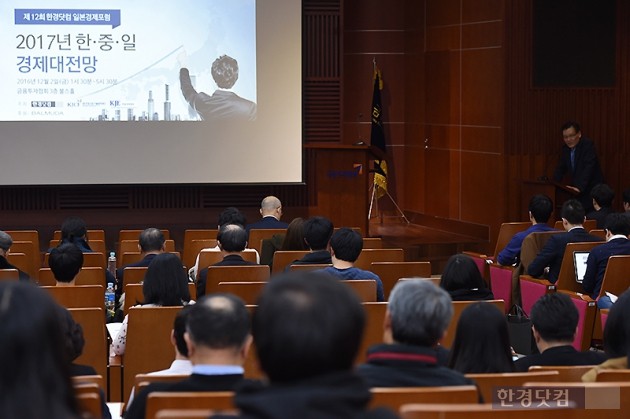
x,y
340,178
554,190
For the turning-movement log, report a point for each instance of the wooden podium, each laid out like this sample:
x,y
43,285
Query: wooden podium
x,y
340,177
554,190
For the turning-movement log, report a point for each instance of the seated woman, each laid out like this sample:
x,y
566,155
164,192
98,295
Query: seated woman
x,y
482,342
165,284
35,377
616,338
462,280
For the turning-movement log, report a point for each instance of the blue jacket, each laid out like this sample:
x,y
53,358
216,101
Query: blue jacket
x,y
597,262
510,254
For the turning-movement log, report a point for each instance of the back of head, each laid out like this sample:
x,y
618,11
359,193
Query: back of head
x,y
151,240
555,317
317,232
231,215
617,329
5,241
165,282
225,71
270,205
73,228
218,321
419,311
541,208
306,324
72,333
573,212
179,328
617,223
35,375
65,262
232,238
294,237
482,341
603,195
461,272
346,244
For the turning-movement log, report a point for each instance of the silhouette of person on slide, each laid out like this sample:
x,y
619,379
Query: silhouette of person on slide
x,y
223,104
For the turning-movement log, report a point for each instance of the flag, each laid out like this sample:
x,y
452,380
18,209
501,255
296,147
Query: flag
x,y
377,136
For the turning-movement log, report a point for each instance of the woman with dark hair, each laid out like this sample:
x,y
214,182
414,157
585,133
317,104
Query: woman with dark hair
x,y
35,377
165,284
462,280
74,230
616,338
294,239
482,342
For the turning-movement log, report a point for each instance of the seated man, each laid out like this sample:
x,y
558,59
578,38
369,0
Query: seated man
x,y
181,365
626,201
217,340
345,247
417,317
230,215
232,240
617,243
150,243
552,253
74,230
602,196
317,234
271,211
5,244
307,328
540,209
65,263
554,323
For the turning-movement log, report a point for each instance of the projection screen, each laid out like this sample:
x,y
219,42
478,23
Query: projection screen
x,y
94,92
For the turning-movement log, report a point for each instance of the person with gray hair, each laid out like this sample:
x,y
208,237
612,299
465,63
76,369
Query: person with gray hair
x,y
150,243
416,320
271,211
6,241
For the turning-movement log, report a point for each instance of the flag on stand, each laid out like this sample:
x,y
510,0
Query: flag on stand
x,y
377,136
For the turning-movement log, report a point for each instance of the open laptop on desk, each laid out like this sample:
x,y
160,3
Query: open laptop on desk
x,y
579,261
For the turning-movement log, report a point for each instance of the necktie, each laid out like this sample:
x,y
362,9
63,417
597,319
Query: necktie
x,y
573,159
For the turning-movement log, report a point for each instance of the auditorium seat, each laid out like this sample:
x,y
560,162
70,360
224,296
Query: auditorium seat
x,y
78,296
133,257
565,373
615,281
246,291
256,236
135,234
372,243
283,258
391,272
143,380
90,275
134,274
368,256
89,259
481,411
148,345
213,400
587,224
134,295
309,267
373,334
609,376
95,351
245,273
91,235
31,250
210,257
488,382
9,275
20,261
458,307
394,397
192,249
364,288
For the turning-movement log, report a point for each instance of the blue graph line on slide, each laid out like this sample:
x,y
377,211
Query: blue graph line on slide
x,y
134,75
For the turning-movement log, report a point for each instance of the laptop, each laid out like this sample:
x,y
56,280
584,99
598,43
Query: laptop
x,y
579,261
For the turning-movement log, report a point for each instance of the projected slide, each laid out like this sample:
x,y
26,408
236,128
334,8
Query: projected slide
x,y
140,60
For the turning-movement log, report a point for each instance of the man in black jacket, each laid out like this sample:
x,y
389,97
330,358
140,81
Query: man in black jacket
x,y
554,323
5,244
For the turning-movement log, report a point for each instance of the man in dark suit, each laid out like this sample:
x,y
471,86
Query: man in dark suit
x,y
578,163
217,338
551,255
232,240
5,244
150,243
617,243
417,317
271,212
554,323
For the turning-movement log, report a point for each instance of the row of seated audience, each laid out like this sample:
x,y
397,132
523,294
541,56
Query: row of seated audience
x,y
312,370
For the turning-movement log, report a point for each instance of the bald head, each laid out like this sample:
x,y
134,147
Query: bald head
x,y
270,206
218,321
5,242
